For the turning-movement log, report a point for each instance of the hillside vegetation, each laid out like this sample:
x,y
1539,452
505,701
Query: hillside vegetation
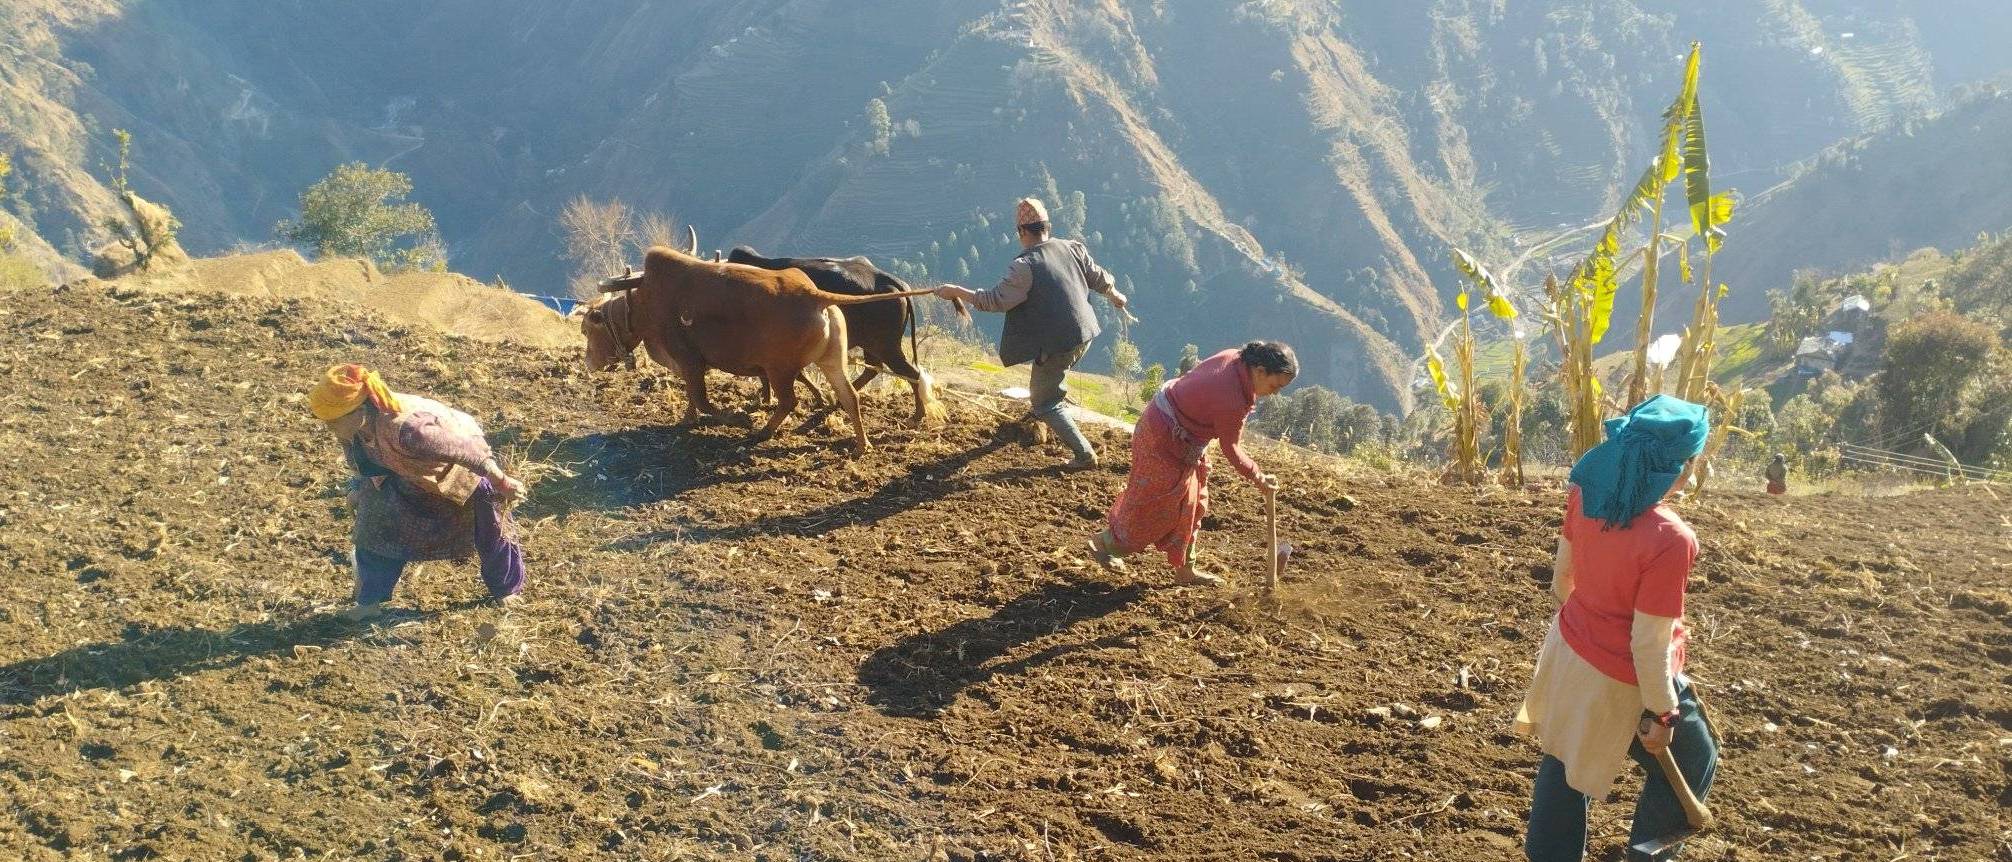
x,y
1291,168
1936,183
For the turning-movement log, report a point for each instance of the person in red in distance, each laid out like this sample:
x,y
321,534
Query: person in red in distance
x,y
1616,649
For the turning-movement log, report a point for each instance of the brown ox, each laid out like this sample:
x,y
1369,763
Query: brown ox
x,y
610,331
693,315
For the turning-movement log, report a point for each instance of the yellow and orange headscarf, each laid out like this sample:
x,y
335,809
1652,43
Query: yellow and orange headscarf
x,y
345,388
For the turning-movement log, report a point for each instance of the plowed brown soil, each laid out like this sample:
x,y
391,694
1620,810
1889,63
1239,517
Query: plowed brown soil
x,y
784,653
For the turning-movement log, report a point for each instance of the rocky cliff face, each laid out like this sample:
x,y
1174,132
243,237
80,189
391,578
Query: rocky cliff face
x,y
1284,168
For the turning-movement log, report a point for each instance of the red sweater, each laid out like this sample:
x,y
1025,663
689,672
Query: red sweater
x,y
1618,572
1212,402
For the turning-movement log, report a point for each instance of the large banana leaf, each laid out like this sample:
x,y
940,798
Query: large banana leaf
x,y
1677,122
1480,277
1603,282
1723,205
1697,162
1698,181
1679,119
1437,368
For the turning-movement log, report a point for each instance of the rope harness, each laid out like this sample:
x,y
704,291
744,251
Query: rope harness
x,y
620,338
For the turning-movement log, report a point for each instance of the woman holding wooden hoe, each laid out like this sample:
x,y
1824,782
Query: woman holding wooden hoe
x,y
1609,681
1167,495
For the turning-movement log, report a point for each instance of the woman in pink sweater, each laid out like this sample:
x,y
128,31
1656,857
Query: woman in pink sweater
x,y
1167,495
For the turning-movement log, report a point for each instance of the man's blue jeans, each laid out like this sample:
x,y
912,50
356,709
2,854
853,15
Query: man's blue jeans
x,y
1558,812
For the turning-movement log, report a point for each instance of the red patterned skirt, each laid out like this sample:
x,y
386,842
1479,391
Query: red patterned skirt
x,y
1168,492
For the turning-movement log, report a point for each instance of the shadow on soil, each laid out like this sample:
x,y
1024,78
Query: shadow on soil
x,y
639,466
172,652
921,674
922,483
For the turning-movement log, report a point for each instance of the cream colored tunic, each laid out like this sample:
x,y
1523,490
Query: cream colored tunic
x,y
1579,715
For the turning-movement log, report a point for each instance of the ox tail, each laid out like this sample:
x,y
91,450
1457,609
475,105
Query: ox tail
x,y
842,299
914,346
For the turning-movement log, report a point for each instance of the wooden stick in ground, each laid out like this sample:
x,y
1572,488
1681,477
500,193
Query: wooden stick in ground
x,y
1271,538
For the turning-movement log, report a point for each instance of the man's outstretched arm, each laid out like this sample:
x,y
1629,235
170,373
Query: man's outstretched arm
x,y
1010,292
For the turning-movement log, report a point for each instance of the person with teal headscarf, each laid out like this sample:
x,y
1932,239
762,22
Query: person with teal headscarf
x,y
1609,683
1643,457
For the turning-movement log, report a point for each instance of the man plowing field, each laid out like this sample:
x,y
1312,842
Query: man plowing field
x,y
427,486
1167,494
1609,683
1046,299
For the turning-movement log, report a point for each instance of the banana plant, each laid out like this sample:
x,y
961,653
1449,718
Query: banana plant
x,y
1581,310
1666,168
1512,431
1462,399
1727,407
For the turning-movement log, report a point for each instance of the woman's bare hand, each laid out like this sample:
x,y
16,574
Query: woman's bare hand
x,y
510,489
1654,737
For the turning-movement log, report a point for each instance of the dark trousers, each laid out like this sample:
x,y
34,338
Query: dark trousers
x,y
1048,392
502,560
1558,812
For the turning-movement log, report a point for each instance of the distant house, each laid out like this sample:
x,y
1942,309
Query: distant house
x,y
1849,315
1820,353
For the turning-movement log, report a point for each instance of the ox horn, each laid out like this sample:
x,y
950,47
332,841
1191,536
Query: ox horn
x,y
694,252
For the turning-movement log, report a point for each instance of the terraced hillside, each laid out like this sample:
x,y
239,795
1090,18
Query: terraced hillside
x,y
1936,184
1285,167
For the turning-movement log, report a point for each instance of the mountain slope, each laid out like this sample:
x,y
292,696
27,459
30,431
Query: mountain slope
x,y
1934,183
784,652
1292,168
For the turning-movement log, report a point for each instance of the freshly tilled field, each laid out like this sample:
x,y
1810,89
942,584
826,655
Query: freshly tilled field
x,y
787,653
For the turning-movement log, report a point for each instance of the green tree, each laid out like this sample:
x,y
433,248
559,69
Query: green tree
x,y
360,211
147,230
1149,384
119,183
1319,418
1125,365
1191,356
879,127
1930,361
